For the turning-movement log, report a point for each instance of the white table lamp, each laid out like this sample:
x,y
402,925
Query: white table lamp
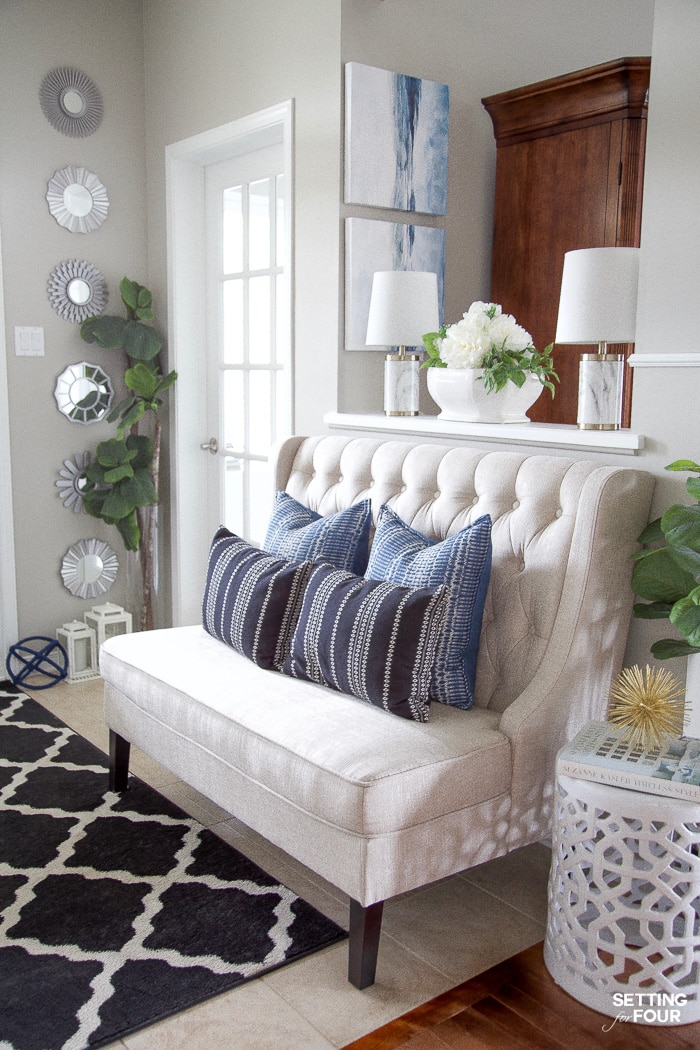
x,y
402,309
598,304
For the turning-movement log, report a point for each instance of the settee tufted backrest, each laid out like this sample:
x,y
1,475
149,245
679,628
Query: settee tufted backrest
x,y
563,531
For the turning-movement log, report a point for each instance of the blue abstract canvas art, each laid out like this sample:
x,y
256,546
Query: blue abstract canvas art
x,y
370,245
396,130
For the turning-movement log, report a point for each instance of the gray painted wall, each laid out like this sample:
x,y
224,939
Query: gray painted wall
x,y
199,65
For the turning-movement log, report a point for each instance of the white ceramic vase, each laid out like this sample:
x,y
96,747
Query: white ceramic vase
x,y
463,397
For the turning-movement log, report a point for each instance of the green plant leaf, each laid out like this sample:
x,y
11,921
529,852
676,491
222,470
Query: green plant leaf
x,y
685,615
652,611
684,464
129,531
132,417
667,648
165,382
658,578
117,474
142,379
140,341
113,453
143,447
129,291
693,487
107,331
681,527
120,409
652,533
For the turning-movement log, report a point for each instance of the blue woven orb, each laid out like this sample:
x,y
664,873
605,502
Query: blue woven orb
x,y
37,662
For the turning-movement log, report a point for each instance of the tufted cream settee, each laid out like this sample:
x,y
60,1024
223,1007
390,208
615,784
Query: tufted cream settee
x,y
377,804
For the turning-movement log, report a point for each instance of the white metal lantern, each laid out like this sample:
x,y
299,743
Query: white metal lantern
x,y
79,641
108,620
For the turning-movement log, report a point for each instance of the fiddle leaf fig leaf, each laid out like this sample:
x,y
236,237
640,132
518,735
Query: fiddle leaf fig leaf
x,y
684,464
129,531
142,380
667,648
658,578
129,292
114,453
143,448
693,487
651,534
107,331
681,527
652,610
685,615
112,477
140,341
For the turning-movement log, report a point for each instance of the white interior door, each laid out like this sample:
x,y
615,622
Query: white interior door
x,y
232,386
248,398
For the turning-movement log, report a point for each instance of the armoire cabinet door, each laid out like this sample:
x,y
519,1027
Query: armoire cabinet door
x,y
569,169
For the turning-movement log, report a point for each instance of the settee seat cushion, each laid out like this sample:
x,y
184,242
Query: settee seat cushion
x,y
335,757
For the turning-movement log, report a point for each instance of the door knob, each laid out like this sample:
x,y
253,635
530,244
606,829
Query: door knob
x,y
212,445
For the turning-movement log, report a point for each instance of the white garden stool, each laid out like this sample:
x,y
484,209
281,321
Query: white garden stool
x,y
623,928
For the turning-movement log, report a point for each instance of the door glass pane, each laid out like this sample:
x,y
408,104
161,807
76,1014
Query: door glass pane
x,y
279,221
259,314
260,422
233,321
259,248
260,499
233,411
233,502
233,230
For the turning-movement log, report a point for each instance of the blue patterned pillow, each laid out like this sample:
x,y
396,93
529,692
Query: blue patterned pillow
x,y
251,599
342,539
369,638
463,563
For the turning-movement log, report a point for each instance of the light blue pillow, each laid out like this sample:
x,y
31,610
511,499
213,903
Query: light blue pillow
x,y
298,533
462,563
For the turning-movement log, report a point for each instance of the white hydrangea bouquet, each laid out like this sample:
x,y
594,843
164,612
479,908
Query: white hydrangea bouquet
x,y
488,339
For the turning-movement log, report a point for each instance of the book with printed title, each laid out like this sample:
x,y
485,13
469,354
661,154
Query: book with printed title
x,y
599,753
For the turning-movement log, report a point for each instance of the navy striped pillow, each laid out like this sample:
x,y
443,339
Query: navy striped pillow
x,y
369,638
251,599
342,538
463,563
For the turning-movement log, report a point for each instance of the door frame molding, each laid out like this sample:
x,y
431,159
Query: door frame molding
x,y
9,627
185,164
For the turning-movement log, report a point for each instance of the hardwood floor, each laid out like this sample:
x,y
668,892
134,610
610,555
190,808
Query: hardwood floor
x,y
517,1004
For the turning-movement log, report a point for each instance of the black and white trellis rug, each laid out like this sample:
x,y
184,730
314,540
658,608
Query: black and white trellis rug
x,y
118,910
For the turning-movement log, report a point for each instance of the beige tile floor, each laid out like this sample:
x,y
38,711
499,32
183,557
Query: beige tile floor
x,y
432,939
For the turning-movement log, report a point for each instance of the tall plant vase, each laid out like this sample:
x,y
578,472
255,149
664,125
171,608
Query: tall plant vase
x,y
691,717
462,396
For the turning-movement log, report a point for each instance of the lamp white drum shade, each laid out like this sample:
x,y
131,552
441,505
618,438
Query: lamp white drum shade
x,y
598,296
403,307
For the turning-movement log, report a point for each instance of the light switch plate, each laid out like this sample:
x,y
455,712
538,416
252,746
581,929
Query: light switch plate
x,y
29,342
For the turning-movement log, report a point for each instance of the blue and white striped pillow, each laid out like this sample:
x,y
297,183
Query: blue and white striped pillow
x,y
297,532
463,564
251,599
369,638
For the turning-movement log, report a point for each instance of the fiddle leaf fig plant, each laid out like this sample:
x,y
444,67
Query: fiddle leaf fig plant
x,y
667,574
122,479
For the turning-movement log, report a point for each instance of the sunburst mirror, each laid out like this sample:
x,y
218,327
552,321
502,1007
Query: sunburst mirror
x,y
71,102
83,393
89,568
77,290
77,199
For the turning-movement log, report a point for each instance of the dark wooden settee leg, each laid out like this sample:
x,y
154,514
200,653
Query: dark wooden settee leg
x,y
365,927
119,749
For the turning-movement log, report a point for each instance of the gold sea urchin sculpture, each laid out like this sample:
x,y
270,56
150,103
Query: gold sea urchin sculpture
x,y
648,705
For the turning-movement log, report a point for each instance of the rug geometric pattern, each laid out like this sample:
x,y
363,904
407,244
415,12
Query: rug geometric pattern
x,y
117,910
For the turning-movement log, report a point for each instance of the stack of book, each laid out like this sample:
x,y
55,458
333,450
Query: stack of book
x,y
599,752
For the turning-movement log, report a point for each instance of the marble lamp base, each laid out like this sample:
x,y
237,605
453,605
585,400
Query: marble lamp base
x,y
600,391
401,386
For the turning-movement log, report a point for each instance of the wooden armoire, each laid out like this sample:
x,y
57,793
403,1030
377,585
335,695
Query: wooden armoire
x,y
569,174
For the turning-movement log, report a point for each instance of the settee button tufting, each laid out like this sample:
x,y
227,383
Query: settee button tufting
x,y
516,504
437,494
475,500
559,512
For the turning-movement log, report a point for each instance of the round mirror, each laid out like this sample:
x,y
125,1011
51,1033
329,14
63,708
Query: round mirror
x,y
72,481
83,393
71,102
77,199
89,568
77,290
